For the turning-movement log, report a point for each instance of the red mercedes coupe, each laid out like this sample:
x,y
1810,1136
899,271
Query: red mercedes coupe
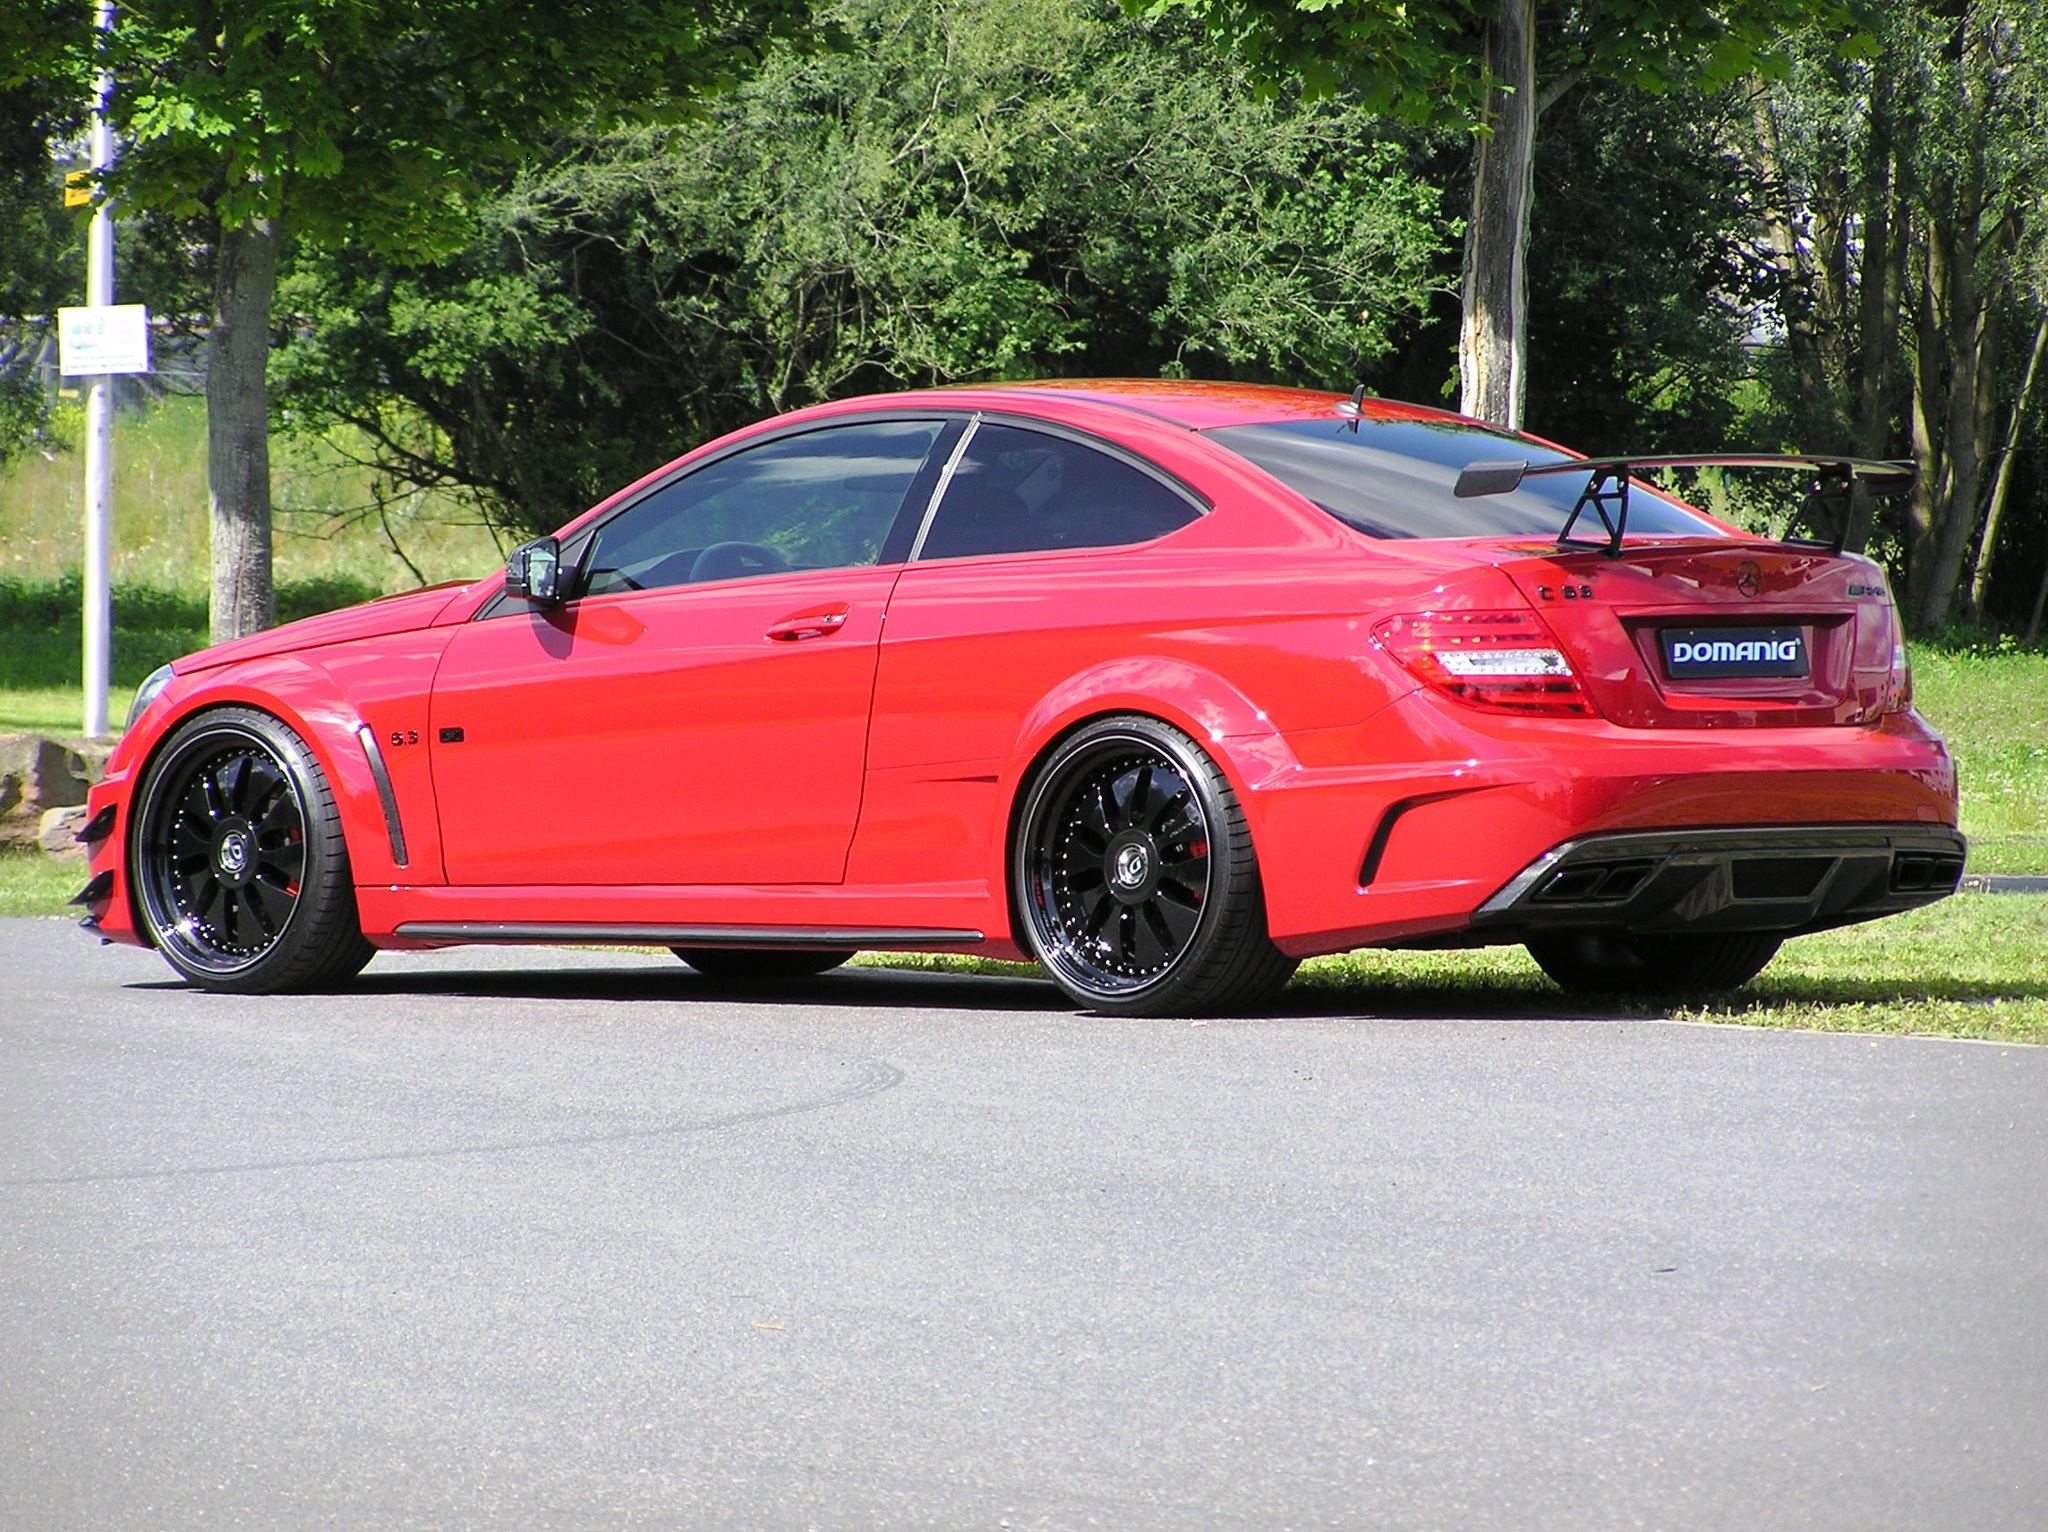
x,y
1164,685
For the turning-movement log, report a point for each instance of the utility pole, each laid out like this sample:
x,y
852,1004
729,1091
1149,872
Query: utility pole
x,y
99,414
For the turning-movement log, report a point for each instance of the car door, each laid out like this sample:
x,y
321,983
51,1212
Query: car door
x,y
1033,568
698,712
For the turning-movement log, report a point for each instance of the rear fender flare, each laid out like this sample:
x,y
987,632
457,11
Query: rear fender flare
x,y
1212,712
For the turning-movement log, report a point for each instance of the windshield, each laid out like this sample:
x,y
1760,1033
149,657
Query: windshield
x,y
1393,478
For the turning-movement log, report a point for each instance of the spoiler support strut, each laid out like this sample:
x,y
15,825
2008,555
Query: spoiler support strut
x,y
1840,485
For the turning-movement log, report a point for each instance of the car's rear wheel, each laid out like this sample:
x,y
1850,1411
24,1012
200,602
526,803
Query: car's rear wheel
x,y
1135,878
758,964
1618,963
238,862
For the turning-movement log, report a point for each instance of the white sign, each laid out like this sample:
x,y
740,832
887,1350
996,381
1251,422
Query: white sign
x,y
96,341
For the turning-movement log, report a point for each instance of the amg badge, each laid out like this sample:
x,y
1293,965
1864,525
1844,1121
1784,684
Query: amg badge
x,y
1715,654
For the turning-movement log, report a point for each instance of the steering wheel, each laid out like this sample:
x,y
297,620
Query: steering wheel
x,y
728,561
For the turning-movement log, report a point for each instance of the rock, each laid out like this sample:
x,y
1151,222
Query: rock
x,y
58,832
37,774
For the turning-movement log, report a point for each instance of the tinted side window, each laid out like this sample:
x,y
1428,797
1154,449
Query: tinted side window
x,y
822,500
1017,491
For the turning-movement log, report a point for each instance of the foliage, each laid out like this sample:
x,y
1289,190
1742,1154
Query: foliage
x,y
1493,69
1900,192
1423,62
965,191
366,121
1640,248
39,630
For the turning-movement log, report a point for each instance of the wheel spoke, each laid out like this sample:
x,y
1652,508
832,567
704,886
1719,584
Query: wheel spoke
x,y
1178,799
1155,939
264,779
202,800
200,887
1127,933
1141,789
272,901
234,783
1172,923
1099,916
188,838
1098,813
287,860
214,909
1175,892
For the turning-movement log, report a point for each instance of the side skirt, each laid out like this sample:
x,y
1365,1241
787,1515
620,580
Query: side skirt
x,y
802,938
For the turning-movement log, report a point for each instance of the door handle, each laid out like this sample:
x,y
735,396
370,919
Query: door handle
x,y
817,623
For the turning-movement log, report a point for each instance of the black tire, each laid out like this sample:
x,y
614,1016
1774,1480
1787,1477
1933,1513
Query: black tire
x,y
758,964
236,857
1134,879
1617,963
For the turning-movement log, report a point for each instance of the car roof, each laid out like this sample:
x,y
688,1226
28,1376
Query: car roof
x,y
1199,405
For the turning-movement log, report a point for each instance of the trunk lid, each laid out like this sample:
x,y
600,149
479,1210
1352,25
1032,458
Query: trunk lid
x,y
1717,632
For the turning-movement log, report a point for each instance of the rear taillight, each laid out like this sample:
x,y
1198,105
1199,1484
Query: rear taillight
x,y
1898,682
1506,662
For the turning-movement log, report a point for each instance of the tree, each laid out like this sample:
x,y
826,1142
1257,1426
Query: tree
x,y
964,191
1910,244
39,255
332,121
1493,67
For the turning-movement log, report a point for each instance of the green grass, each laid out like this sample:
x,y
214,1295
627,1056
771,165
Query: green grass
x,y
34,884
1990,701
1972,966
326,524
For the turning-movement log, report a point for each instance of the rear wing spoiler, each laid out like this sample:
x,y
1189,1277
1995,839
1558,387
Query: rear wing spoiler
x,y
1838,484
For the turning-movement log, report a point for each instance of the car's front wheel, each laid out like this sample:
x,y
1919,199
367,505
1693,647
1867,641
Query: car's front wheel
x,y
237,859
1135,879
1618,963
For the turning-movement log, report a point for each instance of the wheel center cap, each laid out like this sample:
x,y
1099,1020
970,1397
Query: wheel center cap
x,y
233,854
1131,867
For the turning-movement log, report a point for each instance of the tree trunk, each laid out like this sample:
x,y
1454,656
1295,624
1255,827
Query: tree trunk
x,y
1796,283
2040,610
2001,483
1922,419
1493,341
1969,345
238,428
1880,278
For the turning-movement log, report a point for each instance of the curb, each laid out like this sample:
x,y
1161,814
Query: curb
x,y
2001,883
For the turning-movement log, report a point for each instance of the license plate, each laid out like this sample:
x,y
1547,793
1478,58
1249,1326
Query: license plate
x,y
1722,654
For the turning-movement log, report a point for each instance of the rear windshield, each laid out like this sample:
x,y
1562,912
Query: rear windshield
x,y
1393,478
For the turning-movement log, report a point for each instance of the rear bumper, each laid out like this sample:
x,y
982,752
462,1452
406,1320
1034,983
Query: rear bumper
x,y
1409,828
1789,878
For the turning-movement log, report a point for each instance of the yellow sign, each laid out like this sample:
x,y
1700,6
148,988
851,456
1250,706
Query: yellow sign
x,y
78,188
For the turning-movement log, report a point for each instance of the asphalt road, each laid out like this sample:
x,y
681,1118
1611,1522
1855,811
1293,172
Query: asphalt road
x,y
535,1240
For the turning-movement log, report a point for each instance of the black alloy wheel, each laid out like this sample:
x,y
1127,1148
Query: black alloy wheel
x,y
1135,877
237,860
763,965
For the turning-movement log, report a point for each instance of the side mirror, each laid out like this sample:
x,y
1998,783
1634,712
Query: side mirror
x,y
535,572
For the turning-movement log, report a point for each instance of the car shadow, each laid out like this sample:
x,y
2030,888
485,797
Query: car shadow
x,y
926,989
